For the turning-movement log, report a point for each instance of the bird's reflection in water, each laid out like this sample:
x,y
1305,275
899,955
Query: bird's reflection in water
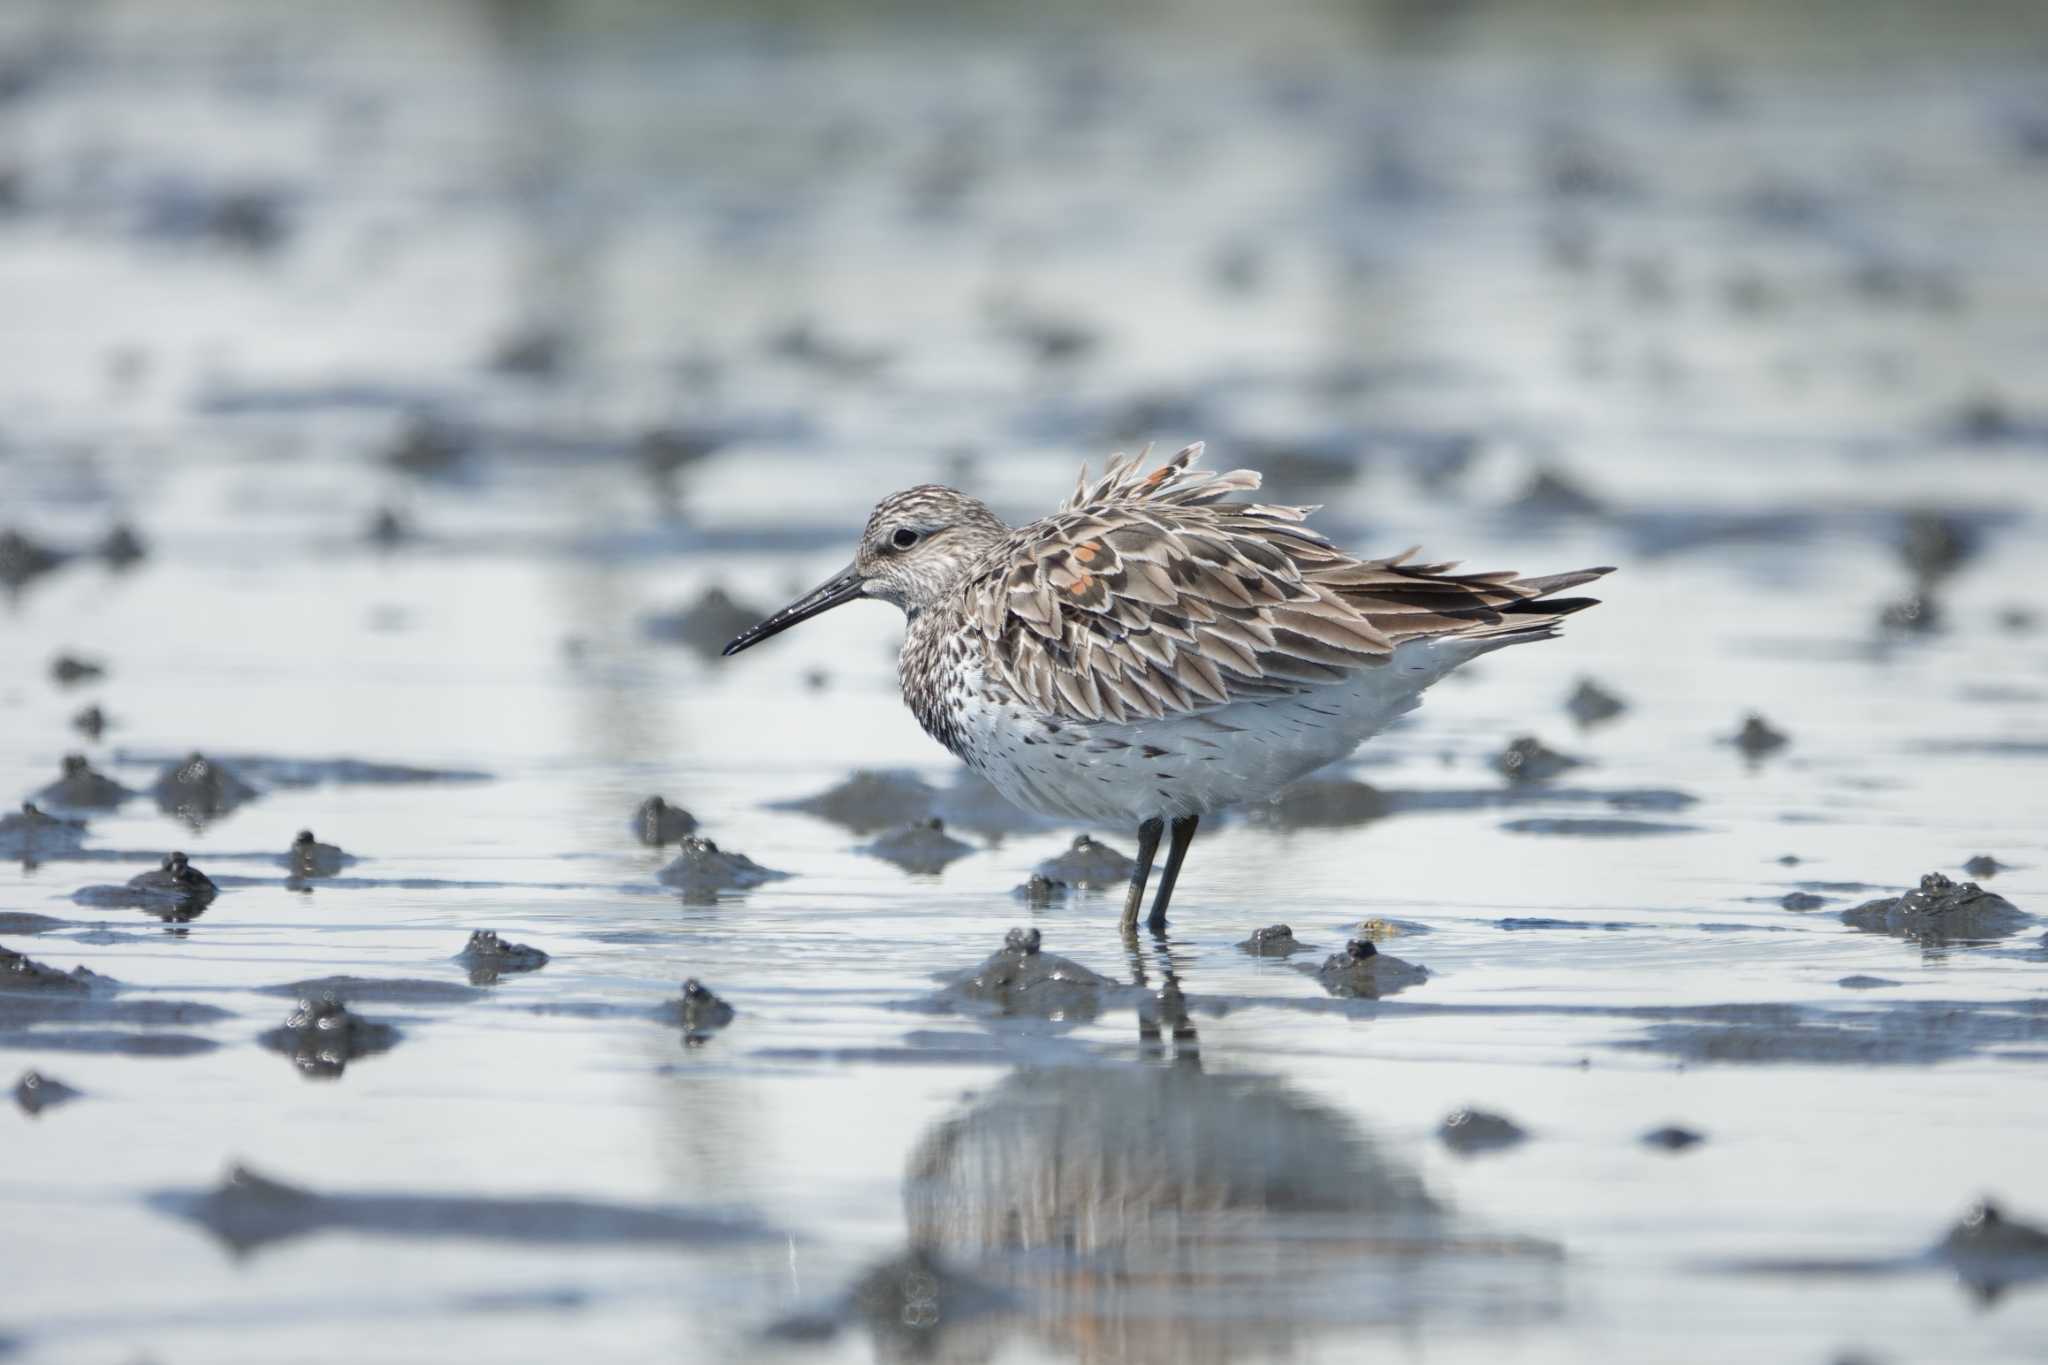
x,y
1126,1214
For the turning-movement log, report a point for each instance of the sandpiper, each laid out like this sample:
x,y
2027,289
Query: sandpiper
x,y
1157,649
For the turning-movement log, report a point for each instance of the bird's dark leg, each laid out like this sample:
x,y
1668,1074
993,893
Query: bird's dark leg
x,y
1148,848
1183,835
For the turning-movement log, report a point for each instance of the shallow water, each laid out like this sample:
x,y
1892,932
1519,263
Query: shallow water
x,y
1754,305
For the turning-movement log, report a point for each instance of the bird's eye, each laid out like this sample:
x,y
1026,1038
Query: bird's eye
x,y
904,538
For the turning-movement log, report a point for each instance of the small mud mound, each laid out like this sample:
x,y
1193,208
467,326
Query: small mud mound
x,y
1363,972
1089,865
702,871
869,802
657,823
30,835
1529,759
197,790
488,957
1940,912
82,787
1591,704
1041,891
923,847
1275,940
705,626
1321,804
1469,1132
308,857
35,1092
176,890
698,1012
321,1037
1022,980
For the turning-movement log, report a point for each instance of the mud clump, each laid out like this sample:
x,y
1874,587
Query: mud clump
x,y
1551,492
1469,1132
1940,911
1984,865
175,890
1528,759
869,802
656,823
35,1092
429,447
29,834
699,1013
706,626
1934,545
197,789
701,870
1985,1231
121,547
1321,804
923,847
1802,900
488,957
1020,979
1865,983
664,452
1915,613
19,972
91,722
68,670
1590,704
1758,738
1672,1138
22,560
321,1037
1089,865
308,857
1275,940
81,787
1363,972
1042,891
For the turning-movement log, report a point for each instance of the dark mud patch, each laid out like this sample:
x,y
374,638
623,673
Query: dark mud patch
x,y
277,771
870,801
920,1047
23,922
1800,901
1089,864
657,822
1987,1252
197,789
1939,913
923,847
1984,865
705,626
1597,828
82,787
1363,972
1518,924
1910,1033
702,871
909,1304
1866,983
35,1092
31,835
308,858
698,1012
1515,795
488,957
1758,738
1672,1138
247,1211
378,990
1040,891
1529,759
22,975
322,1036
1470,1132
174,890
108,1042
1020,980
1275,940
1591,704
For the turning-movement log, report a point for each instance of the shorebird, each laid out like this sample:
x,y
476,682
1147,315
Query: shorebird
x,y
1158,649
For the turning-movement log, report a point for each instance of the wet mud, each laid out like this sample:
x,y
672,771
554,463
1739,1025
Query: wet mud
x,y
698,1012
923,847
488,957
308,857
1090,865
1469,1132
81,787
32,836
1022,980
657,822
1275,940
174,890
1363,972
34,1093
1939,912
702,871
322,1036
196,790
247,1211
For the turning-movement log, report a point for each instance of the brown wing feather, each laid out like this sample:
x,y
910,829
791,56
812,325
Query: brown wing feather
x,y
1150,593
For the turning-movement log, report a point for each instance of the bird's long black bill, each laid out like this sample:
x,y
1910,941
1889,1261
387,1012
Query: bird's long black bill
x,y
836,591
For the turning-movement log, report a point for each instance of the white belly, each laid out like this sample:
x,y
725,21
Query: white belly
x,y
1191,765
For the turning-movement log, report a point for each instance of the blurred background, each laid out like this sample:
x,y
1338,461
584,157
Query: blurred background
x,y
441,384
